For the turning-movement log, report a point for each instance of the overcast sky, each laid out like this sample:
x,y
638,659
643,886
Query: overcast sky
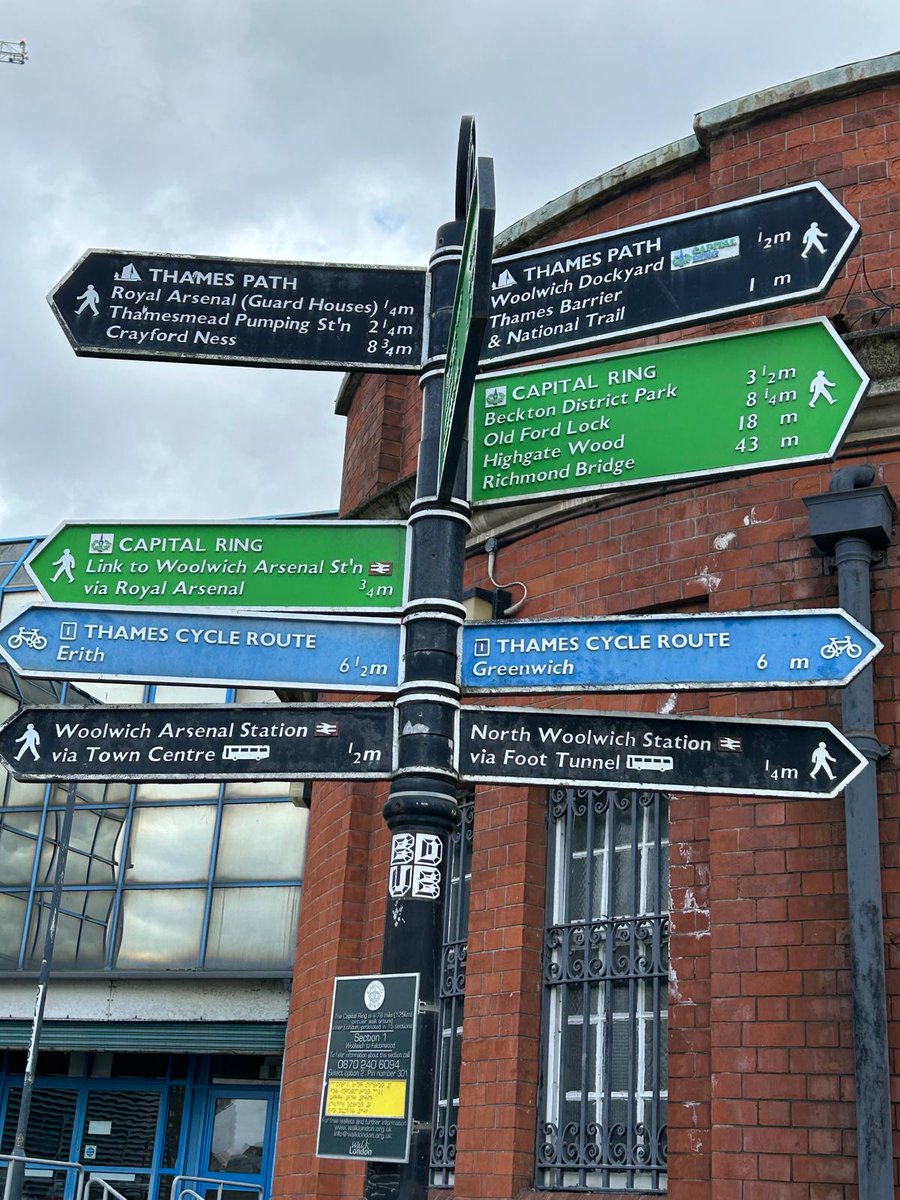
x,y
307,130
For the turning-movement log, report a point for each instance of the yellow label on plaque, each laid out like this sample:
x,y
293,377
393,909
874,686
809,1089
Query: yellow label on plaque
x,y
366,1098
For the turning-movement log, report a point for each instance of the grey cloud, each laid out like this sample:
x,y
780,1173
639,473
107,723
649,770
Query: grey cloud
x,y
307,130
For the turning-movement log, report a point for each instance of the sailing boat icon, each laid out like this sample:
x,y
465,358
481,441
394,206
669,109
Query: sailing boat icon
x,y
128,274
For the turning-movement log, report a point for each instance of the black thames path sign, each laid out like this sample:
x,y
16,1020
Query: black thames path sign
x,y
800,759
366,1110
761,252
183,308
177,742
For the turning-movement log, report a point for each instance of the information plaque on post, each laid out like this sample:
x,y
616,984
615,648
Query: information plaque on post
x,y
366,1110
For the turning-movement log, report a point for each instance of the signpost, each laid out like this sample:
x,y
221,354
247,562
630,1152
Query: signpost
x,y
183,308
357,654
756,253
801,759
154,741
731,404
366,1109
726,650
741,402
339,566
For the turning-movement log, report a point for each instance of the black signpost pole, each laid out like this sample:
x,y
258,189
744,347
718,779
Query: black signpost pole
x,y
421,810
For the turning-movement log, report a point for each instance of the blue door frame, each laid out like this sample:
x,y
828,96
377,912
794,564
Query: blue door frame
x,y
196,1127
221,1092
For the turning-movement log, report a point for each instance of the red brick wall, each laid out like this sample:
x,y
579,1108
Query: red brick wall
x,y
382,437
338,933
760,1044
362,444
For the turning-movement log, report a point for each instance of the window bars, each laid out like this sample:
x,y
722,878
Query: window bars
x,y
453,988
602,1092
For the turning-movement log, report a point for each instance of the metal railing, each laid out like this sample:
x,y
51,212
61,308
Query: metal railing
x,y
84,1185
46,1166
182,1192
109,1192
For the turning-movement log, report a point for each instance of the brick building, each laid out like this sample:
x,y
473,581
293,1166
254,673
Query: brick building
x,y
735,1079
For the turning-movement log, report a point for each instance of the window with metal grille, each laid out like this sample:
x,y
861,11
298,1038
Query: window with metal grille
x,y
453,989
602,1095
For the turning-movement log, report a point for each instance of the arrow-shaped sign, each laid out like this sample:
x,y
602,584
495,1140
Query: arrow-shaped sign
x,y
727,650
760,252
802,759
180,742
691,409
358,654
339,566
182,308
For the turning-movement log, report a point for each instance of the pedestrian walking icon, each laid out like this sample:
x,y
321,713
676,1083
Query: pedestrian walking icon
x,y
820,760
819,387
813,238
64,565
89,298
30,740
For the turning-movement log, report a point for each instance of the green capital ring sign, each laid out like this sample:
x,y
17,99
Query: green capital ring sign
x,y
685,410
334,566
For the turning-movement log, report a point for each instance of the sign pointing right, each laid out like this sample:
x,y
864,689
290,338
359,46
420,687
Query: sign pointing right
x,y
755,253
799,648
738,402
802,759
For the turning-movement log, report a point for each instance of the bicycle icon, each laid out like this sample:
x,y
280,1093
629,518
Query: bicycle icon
x,y
27,637
836,646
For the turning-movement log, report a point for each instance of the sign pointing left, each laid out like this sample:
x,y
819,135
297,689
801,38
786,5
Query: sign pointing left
x,y
358,654
338,566
178,742
182,308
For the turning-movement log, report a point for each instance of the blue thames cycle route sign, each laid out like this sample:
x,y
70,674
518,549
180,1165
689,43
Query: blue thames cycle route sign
x,y
729,650
358,654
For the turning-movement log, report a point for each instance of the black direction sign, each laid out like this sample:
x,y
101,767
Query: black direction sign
x,y
181,742
761,252
182,308
802,759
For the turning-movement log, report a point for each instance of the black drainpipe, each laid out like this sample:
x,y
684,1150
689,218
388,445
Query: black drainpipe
x,y
852,521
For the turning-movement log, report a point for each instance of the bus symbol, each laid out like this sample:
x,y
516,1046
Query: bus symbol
x,y
650,762
256,752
